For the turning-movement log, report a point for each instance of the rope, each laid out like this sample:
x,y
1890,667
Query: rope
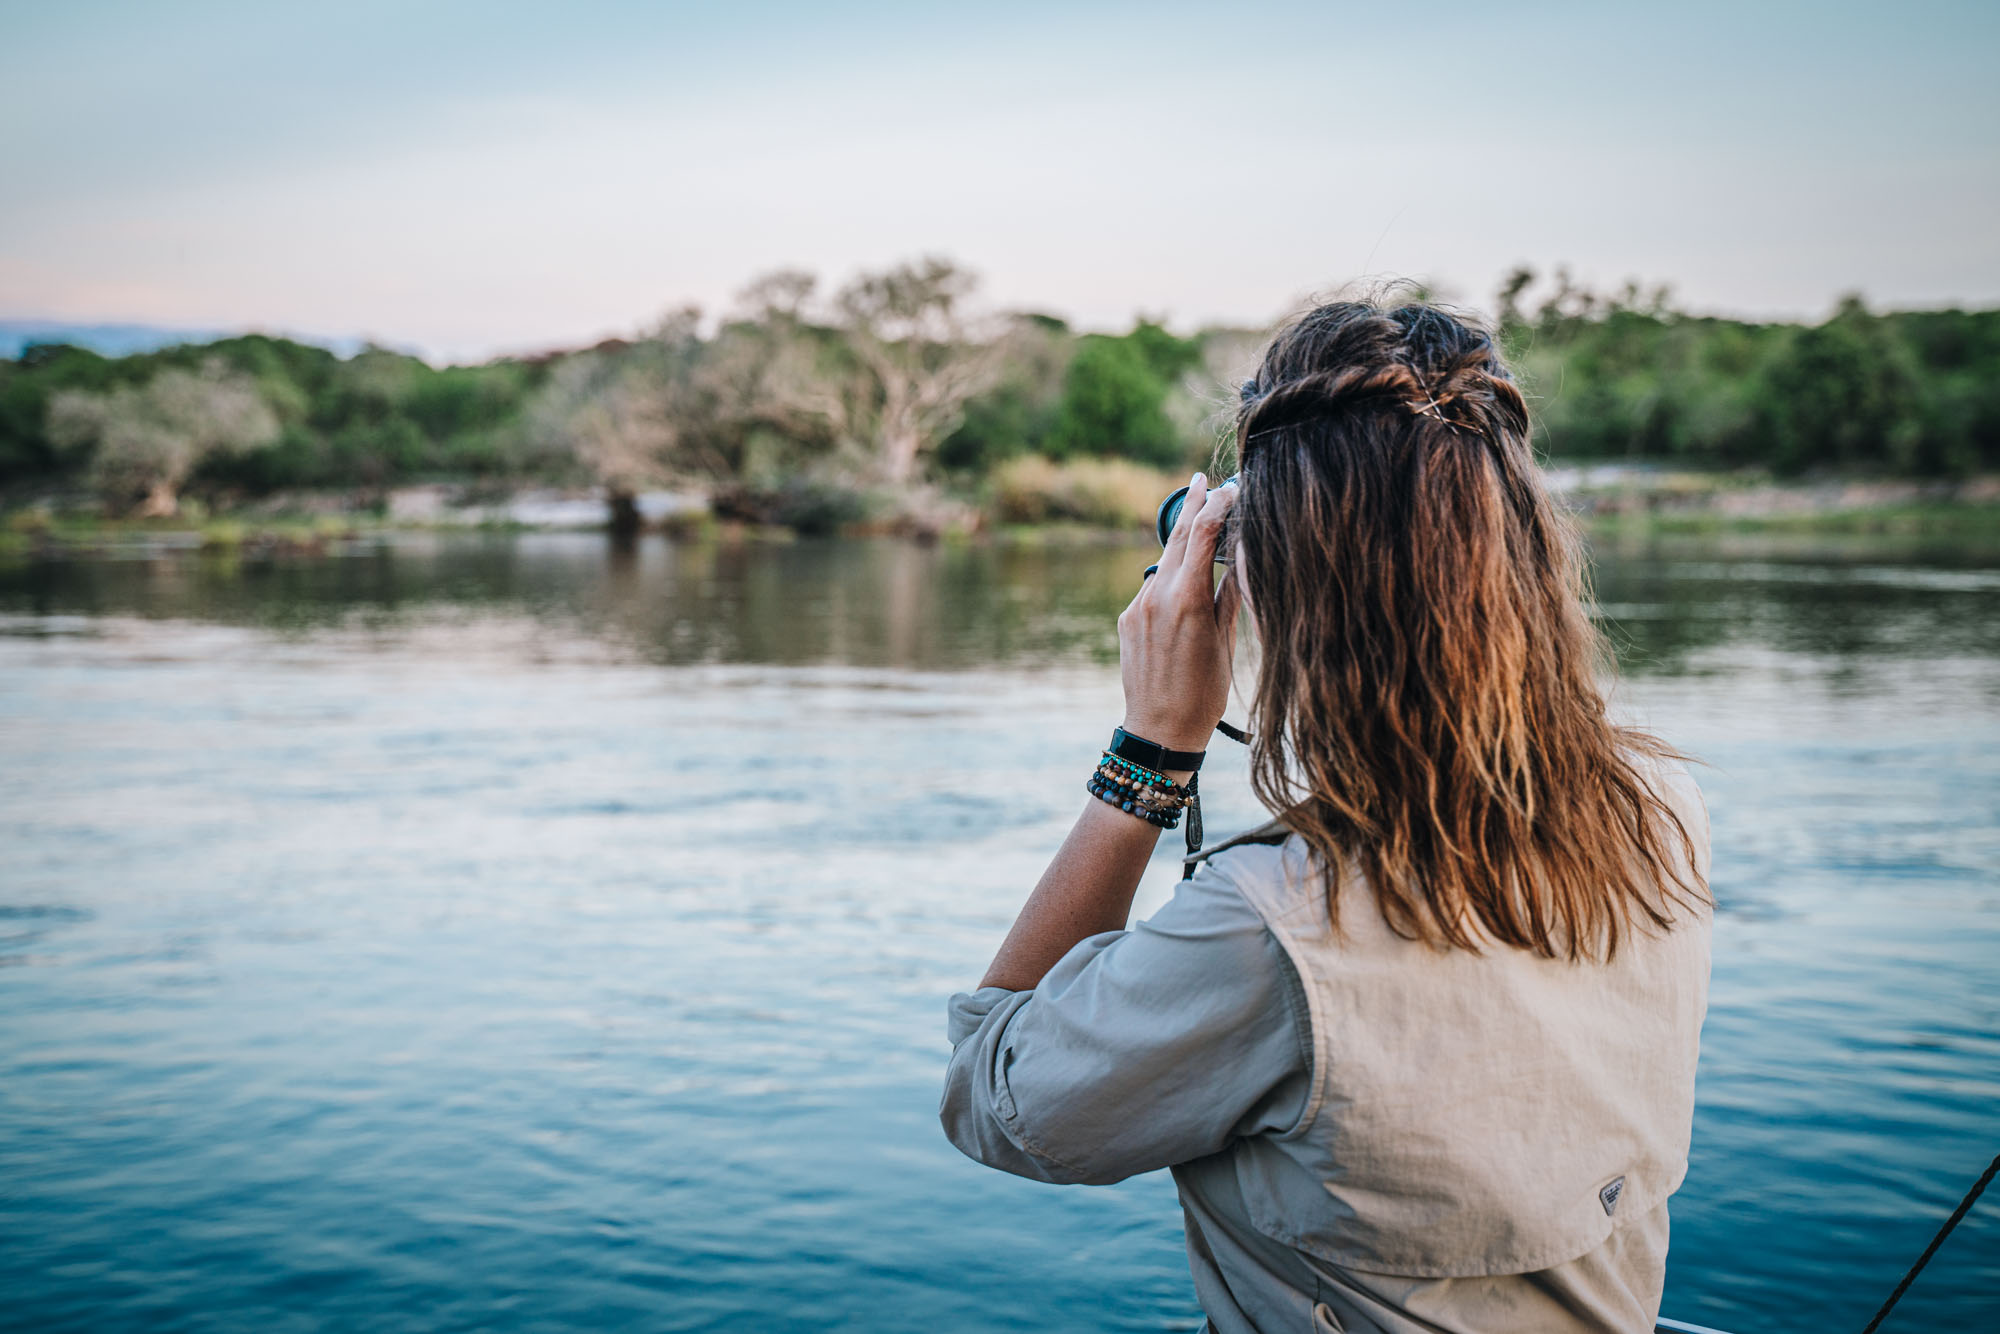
x,y
1964,1208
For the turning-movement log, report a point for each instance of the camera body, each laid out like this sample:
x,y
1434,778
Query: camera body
x,y
1170,511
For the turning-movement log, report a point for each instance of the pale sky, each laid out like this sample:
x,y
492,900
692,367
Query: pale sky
x,y
466,178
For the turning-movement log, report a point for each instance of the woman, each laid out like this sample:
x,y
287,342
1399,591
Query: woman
x,y
1421,1051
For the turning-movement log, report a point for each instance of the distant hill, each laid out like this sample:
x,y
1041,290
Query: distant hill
x,y
120,340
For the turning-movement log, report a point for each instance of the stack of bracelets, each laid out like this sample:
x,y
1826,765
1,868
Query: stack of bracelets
x,y
1131,777
1146,793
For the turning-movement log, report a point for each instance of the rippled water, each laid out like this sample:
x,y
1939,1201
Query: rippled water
x,y
507,934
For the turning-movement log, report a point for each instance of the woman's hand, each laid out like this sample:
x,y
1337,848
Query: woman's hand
x,y
1177,641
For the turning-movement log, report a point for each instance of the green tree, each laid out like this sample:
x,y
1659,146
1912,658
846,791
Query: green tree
x,y
1841,394
26,448
1017,415
1113,402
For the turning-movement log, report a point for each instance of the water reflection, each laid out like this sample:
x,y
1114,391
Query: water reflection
x,y
894,604
877,604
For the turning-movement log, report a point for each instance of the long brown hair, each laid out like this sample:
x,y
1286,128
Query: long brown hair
x,y
1427,703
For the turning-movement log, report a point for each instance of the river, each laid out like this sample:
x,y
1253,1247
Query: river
x,y
507,933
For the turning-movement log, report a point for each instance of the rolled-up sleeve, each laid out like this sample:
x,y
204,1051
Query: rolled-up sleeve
x,y
1140,1048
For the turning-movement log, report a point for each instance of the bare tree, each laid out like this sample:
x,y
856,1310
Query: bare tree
x,y
149,438
909,328
777,368
778,296
624,411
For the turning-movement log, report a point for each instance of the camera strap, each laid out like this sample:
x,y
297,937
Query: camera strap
x,y
1193,818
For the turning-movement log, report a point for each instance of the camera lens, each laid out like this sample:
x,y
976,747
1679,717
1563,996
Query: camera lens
x,y
1170,514
1170,510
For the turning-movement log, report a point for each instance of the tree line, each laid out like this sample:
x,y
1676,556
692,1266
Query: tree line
x,y
802,407
1906,393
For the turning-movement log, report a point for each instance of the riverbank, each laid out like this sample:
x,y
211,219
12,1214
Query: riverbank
x,y
1622,499
1037,504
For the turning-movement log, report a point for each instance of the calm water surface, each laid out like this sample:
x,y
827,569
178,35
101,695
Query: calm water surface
x,y
505,934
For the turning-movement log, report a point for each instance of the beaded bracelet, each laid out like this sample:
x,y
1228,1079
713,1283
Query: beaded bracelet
x,y
1148,788
1139,791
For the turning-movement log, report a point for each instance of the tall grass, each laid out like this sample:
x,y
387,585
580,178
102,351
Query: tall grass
x,y
1112,493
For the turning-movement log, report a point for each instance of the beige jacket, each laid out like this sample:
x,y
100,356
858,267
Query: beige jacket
x,y
1368,1133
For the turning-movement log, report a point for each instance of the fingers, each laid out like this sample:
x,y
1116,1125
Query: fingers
x,y
1170,559
1207,529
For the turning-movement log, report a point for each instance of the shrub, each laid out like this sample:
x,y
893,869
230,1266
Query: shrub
x,y
1114,493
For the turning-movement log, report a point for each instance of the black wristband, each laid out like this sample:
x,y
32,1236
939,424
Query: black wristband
x,y
1151,754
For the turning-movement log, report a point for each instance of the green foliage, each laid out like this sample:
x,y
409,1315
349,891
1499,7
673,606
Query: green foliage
x,y
376,419
1841,393
1113,403
1168,357
1913,394
26,385
1017,415
997,427
1093,396
1115,395
890,371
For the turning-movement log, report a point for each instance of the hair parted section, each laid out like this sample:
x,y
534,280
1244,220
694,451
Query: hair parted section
x,y
1428,709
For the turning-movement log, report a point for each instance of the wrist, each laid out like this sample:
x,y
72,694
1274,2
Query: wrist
x,y
1181,738
1169,733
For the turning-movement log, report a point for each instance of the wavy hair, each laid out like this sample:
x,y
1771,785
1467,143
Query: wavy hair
x,y
1427,703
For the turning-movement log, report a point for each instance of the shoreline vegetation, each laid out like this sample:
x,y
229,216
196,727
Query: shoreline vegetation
x,y
1614,503
895,405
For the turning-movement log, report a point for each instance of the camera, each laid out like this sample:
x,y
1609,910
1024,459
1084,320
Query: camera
x,y
1170,513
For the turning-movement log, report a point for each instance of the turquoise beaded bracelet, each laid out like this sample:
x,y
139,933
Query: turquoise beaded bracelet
x,y
1137,790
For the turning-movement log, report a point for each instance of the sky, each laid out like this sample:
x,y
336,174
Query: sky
x,y
467,179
